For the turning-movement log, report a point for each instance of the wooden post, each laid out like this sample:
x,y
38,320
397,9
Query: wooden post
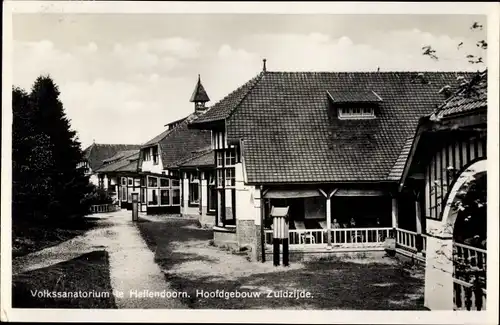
x,y
285,252
328,221
394,213
419,241
276,251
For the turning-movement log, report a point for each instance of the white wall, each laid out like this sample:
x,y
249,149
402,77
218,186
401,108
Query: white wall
x,y
148,166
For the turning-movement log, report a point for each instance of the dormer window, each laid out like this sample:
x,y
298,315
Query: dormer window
x,y
356,112
355,104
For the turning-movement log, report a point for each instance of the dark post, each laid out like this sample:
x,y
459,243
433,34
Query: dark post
x,y
285,252
135,206
276,251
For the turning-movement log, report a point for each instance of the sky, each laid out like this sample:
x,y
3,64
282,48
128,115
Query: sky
x,y
122,77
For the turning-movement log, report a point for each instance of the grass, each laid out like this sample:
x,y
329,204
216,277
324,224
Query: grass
x,y
192,264
89,273
29,237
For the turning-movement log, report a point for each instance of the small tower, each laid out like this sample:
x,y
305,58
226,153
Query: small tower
x,y
199,97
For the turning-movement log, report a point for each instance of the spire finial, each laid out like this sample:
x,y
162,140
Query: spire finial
x,y
264,65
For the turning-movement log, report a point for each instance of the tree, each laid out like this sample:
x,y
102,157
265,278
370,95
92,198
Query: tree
x,y
429,51
46,180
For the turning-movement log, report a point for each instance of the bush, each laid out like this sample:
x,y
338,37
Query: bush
x,y
96,196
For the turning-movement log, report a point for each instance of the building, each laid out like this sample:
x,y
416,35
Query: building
x,y
119,175
446,154
95,155
329,145
174,167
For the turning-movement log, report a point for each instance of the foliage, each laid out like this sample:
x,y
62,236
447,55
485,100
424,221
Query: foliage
x,y
45,152
96,196
429,51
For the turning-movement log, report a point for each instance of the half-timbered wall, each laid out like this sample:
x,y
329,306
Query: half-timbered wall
x,y
443,168
226,158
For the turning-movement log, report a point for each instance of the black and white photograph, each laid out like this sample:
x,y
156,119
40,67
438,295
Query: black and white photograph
x,y
167,157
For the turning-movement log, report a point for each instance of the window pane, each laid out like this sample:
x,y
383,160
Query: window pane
x,y
164,182
152,181
176,197
124,181
175,183
152,197
220,158
143,181
194,196
164,197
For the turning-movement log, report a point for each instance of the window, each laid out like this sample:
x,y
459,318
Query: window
x,y
175,183
130,182
143,181
124,181
152,197
230,181
231,157
147,154
164,182
356,112
176,197
164,197
137,182
220,177
124,193
220,158
152,181
212,192
155,155
143,195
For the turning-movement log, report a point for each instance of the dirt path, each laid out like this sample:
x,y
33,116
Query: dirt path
x,y
133,271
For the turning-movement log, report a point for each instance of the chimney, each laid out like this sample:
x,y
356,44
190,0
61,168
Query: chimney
x,y
264,65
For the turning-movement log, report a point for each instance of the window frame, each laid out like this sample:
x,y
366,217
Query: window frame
x,y
356,112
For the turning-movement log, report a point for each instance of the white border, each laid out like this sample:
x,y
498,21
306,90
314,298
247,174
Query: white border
x,y
374,317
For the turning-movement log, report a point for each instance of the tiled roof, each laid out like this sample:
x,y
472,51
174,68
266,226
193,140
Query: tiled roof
x,y
126,162
120,155
471,97
223,109
95,154
180,142
291,132
354,97
199,93
397,170
199,159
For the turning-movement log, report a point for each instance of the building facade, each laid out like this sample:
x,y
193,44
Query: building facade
x,y
448,154
330,146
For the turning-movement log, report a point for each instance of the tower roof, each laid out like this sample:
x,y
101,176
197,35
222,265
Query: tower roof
x,y
199,93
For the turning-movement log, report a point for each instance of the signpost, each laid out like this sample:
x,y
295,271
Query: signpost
x,y
135,206
280,234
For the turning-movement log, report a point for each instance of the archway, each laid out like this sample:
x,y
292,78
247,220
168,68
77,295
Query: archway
x,y
439,253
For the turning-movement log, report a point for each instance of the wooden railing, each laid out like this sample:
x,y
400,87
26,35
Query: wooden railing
x,y
472,256
373,237
407,240
468,297
103,208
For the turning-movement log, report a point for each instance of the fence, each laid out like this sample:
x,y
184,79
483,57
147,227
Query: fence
x,y
468,297
362,237
103,208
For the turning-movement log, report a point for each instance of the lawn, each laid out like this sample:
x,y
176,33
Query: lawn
x,y
28,237
190,264
87,274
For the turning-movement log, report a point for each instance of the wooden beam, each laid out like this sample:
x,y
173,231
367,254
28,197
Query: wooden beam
x,y
323,192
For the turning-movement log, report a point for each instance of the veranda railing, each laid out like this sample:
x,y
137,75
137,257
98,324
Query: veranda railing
x,y
344,236
103,208
466,296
